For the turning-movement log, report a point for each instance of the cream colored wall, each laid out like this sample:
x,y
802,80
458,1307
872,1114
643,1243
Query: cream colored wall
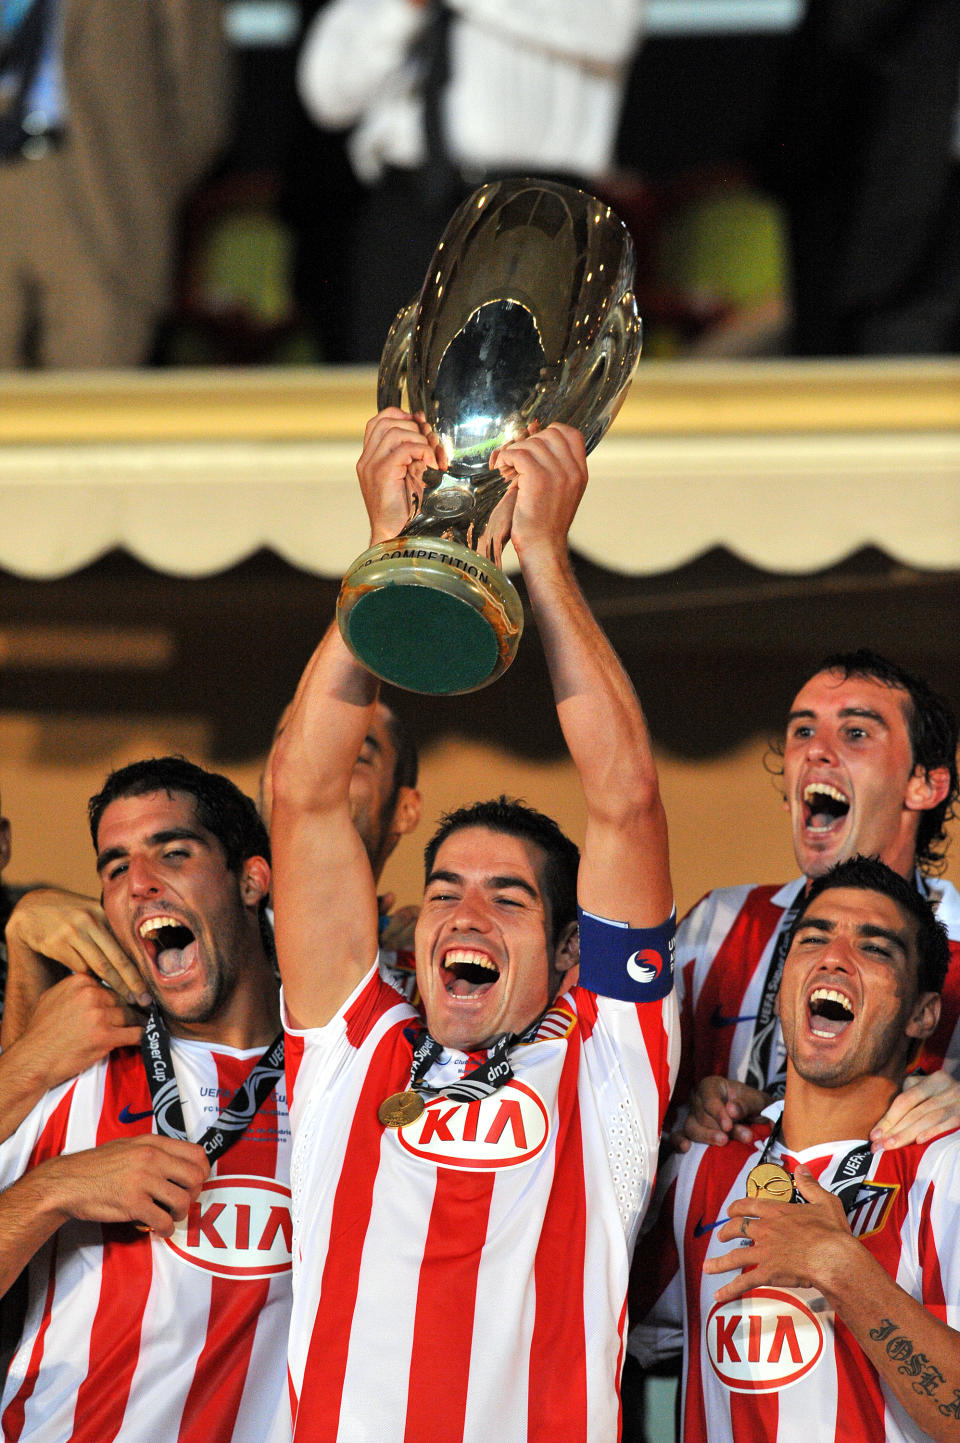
x,y
726,823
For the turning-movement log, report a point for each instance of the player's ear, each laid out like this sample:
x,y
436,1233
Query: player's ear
x,y
566,954
254,880
406,813
925,1016
927,789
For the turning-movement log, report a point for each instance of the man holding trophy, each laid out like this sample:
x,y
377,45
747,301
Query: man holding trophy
x,y
467,1192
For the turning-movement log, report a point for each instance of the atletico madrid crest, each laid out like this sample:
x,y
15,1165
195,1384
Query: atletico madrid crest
x,y
871,1207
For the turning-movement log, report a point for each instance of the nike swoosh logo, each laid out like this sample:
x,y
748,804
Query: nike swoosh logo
x,y
127,1116
717,1019
703,1227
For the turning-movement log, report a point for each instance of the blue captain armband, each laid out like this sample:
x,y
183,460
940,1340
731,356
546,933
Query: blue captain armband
x,y
631,964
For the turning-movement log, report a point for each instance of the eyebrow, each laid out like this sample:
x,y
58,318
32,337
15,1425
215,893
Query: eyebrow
x,y
864,711
493,884
866,929
861,711
156,839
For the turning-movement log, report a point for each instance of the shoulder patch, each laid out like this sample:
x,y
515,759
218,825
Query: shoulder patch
x,y
558,1021
871,1208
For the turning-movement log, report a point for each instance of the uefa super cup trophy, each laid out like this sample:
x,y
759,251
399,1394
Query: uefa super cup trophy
x,y
527,316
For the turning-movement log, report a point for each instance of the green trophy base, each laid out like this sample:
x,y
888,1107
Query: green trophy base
x,y
429,615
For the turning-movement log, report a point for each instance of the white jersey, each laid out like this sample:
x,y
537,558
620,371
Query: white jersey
x,y
143,1339
725,946
464,1276
776,1365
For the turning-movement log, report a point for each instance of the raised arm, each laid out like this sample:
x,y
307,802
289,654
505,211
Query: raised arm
x,y
325,903
625,871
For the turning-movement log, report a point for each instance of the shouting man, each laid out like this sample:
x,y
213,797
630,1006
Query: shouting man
x,y
841,1322
468,1193
160,1274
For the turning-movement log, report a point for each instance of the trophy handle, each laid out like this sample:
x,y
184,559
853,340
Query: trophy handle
x,y
395,358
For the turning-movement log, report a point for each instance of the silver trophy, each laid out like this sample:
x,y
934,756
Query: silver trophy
x,y
527,316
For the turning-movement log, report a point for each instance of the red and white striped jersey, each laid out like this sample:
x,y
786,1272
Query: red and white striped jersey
x,y
465,1276
150,1340
777,1365
724,948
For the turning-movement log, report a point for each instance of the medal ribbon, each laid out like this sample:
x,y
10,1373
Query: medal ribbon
x,y
490,1075
165,1095
765,1027
850,1174
486,1078
846,1179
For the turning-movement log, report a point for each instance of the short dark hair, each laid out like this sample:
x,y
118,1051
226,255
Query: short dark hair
x,y
516,819
869,874
932,728
221,808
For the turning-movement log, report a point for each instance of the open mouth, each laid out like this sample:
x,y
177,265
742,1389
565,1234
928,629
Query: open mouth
x,y
171,945
467,973
830,1012
824,806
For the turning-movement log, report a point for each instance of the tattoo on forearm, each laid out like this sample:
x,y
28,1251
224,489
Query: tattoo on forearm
x,y
952,1410
926,1376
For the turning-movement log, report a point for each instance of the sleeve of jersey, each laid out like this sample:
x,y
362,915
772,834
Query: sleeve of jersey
x,y
40,1136
314,1056
629,1016
935,1208
656,1299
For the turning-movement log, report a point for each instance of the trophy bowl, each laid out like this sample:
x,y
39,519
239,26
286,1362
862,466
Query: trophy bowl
x,y
527,316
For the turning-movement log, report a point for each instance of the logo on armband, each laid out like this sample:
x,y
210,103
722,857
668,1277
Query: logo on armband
x,y
645,966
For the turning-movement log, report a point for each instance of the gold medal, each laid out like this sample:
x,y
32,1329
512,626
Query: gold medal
x,y
769,1179
400,1108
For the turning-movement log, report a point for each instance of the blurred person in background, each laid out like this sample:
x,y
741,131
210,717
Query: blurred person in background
x,y
440,98
109,114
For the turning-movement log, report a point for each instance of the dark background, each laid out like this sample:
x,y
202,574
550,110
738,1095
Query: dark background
x,y
717,648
